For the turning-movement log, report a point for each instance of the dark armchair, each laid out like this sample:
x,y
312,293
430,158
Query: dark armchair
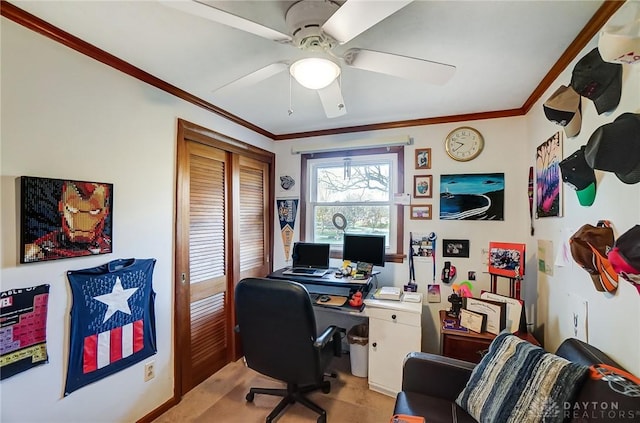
x,y
277,327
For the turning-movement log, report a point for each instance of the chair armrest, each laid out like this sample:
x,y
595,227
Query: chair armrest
x,y
435,375
332,333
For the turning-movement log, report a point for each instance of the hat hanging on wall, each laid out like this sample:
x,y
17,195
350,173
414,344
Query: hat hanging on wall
x,y
580,176
625,256
598,80
589,248
563,108
621,44
615,147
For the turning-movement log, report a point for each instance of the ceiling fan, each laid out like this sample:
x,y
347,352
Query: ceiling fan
x,y
316,27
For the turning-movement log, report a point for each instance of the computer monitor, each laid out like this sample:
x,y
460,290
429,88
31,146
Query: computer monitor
x,y
311,255
364,248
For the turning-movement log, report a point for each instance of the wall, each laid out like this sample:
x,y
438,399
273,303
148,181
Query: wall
x,y
609,315
67,116
504,138
510,147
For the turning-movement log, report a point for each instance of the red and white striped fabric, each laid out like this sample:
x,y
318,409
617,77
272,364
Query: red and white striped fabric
x,y
108,347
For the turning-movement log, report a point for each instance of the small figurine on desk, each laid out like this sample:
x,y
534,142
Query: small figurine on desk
x,y
356,300
456,305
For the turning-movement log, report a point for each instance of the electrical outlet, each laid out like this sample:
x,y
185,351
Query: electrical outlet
x,y
149,371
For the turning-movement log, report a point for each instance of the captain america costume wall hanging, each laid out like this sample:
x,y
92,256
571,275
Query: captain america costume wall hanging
x,y
112,320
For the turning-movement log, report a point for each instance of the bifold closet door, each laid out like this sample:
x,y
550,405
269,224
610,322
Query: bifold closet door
x,y
206,281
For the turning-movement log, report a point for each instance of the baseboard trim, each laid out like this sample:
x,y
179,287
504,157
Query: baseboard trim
x,y
154,414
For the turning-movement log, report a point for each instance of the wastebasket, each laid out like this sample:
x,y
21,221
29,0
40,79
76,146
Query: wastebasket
x,y
358,338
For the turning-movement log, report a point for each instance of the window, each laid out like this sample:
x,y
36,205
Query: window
x,y
358,185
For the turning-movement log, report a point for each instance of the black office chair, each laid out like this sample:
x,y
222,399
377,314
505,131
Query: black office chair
x,y
277,327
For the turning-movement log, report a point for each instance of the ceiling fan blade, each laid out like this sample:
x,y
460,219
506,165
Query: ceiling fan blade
x,y
254,77
331,99
400,66
205,11
356,16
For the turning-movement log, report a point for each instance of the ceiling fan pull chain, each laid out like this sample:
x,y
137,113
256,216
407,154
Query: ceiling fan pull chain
x,y
290,111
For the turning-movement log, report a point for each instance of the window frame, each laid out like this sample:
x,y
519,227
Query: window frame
x,y
391,257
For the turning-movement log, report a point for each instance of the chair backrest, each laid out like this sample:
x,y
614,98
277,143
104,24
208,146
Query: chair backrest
x,y
278,328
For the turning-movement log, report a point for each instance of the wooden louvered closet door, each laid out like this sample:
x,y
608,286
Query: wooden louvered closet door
x,y
224,226
253,230
207,276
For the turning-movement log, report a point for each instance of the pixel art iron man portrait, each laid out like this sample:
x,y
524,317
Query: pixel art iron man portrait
x,y
63,219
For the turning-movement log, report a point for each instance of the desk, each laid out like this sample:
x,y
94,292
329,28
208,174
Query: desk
x,y
395,327
329,283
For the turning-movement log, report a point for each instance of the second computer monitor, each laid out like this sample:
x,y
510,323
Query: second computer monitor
x,y
364,248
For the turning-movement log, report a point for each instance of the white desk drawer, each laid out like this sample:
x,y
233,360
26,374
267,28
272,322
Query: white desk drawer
x,y
394,316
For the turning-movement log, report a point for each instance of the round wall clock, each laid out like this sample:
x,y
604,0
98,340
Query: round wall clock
x,y
464,143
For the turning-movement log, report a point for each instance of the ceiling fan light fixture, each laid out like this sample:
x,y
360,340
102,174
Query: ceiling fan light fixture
x,y
314,73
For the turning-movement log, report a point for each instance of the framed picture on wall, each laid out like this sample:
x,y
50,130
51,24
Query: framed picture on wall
x,y
423,158
64,219
506,259
455,248
422,186
422,212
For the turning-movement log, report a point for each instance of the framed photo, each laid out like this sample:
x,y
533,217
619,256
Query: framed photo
x,y
472,196
422,186
506,259
423,158
421,212
455,248
64,219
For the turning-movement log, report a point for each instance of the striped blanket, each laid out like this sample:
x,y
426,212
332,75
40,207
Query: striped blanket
x,y
519,382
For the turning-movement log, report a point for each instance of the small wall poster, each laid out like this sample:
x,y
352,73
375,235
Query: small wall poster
x,y
433,293
545,256
287,210
548,179
23,332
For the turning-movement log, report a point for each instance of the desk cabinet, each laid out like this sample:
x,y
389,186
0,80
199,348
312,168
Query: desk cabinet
x,y
469,346
394,331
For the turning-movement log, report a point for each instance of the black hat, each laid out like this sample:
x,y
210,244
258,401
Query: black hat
x,y
577,173
598,80
615,147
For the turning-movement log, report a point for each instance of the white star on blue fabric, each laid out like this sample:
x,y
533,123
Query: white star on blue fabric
x,y
117,300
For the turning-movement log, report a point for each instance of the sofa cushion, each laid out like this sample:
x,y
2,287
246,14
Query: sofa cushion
x,y
519,382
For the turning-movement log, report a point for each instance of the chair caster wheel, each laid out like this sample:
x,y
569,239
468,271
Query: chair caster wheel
x,y
322,418
326,388
249,397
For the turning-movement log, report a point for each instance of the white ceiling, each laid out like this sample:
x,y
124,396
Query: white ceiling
x,y
502,51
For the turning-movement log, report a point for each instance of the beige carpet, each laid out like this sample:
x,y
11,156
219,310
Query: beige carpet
x,y
221,399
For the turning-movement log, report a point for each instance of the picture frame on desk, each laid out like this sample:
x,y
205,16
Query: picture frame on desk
x,y
473,321
496,312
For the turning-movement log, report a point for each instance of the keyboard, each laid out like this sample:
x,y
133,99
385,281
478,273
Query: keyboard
x,y
303,270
